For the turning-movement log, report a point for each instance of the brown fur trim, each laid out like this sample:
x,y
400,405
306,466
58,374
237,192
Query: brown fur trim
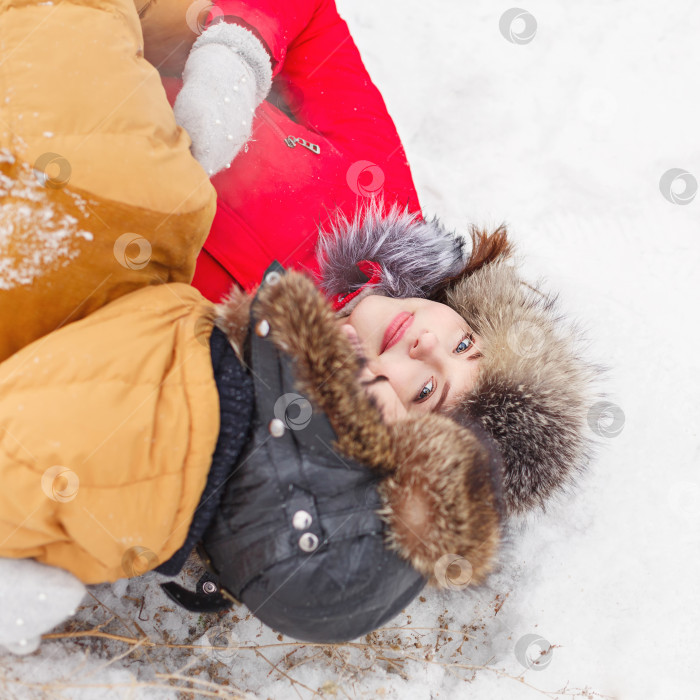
x,y
487,247
303,325
443,499
233,317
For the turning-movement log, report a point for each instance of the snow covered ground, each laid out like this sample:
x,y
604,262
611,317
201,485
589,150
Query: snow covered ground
x,y
564,131
566,138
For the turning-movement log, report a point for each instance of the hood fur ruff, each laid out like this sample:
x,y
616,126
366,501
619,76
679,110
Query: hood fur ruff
x,y
441,481
534,387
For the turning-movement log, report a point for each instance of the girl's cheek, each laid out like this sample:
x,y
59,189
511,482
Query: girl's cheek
x,y
387,399
389,403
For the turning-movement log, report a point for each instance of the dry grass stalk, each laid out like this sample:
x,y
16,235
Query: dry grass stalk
x,y
395,649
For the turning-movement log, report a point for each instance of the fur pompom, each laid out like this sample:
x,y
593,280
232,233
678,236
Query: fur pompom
x,y
415,255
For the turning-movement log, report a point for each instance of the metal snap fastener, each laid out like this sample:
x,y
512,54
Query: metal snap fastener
x,y
262,329
308,542
301,520
209,587
276,427
273,278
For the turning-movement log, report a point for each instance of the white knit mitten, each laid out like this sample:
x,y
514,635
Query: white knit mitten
x,y
34,598
227,75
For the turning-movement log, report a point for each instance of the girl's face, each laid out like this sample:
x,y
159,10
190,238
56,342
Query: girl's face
x,y
426,352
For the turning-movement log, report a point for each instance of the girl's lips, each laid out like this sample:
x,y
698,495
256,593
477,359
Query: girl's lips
x,y
395,330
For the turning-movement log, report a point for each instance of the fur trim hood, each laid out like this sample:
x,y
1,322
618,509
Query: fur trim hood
x,y
534,387
440,482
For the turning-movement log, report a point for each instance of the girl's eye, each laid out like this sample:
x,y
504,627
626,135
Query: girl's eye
x,y
466,343
427,390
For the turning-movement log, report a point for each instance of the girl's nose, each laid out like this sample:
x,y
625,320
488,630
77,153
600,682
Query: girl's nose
x,y
423,347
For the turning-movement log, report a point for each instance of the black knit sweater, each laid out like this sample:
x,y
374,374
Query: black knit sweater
x,y
236,402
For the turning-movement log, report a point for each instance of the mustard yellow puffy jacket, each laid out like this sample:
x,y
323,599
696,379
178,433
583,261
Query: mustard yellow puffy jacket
x,y
99,193
107,430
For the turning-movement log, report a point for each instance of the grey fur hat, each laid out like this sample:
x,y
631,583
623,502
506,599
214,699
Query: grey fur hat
x,y
534,388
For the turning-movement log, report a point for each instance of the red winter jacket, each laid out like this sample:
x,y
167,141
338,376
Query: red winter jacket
x,y
338,147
